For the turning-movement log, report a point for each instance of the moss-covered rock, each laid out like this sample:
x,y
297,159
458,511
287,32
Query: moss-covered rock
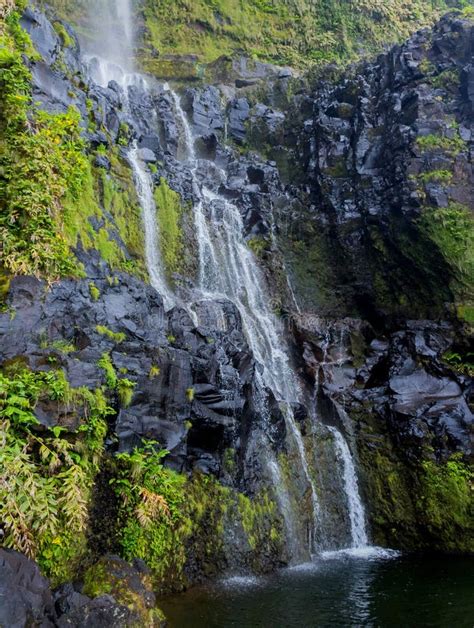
x,y
129,586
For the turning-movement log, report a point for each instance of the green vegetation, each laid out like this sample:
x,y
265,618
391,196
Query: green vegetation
x,y
428,504
169,211
258,245
125,389
166,516
48,188
63,346
105,363
66,39
116,337
460,362
444,177
108,577
452,230
42,163
123,386
292,32
446,503
155,371
449,79
46,475
118,196
450,145
152,499
94,291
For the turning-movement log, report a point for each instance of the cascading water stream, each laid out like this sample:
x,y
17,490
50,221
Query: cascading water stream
x,y
351,485
144,187
228,268
355,507
113,61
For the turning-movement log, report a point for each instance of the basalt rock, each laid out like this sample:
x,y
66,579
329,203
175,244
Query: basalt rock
x,y
121,597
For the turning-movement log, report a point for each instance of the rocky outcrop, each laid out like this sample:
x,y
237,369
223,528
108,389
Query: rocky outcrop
x,y
385,153
27,600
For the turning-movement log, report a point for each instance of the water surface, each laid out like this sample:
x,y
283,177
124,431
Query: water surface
x,y
341,590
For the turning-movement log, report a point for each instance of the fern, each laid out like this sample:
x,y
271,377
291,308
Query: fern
x,y
46,477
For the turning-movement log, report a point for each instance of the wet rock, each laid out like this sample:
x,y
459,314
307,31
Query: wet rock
x,y
25,596
147,155
102,612
42,33
101,161
238,116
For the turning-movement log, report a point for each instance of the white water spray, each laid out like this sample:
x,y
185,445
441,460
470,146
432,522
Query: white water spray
x,y
354,502
228,268
110,58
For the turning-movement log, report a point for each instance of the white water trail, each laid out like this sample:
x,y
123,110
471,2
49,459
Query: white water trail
x,y
110,35
144,187
110,58
228,268
351,485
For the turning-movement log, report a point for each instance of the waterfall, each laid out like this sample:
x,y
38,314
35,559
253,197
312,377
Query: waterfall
x,y
110,58
228,268
354,502
144,187
111,36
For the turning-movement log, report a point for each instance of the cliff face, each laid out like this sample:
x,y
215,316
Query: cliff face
x,y
177,39
355,197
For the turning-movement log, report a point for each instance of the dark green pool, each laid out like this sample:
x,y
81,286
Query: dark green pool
x,y
402,591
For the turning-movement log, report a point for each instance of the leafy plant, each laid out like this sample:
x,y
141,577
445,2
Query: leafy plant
x,y
125,389
116,337
463,363
94,291
451,145
46,476
105,363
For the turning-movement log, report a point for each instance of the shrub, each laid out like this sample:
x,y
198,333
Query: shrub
x,y
46,476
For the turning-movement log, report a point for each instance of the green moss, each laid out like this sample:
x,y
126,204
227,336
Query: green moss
x,y
432,143
170,210
66,39
444,177
155,371
94,291
258,245
291,32
465,312
125,389
108,577
105,363
445,503
260,520
228,460
116,337
451,229
118,194
63,346
281,31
